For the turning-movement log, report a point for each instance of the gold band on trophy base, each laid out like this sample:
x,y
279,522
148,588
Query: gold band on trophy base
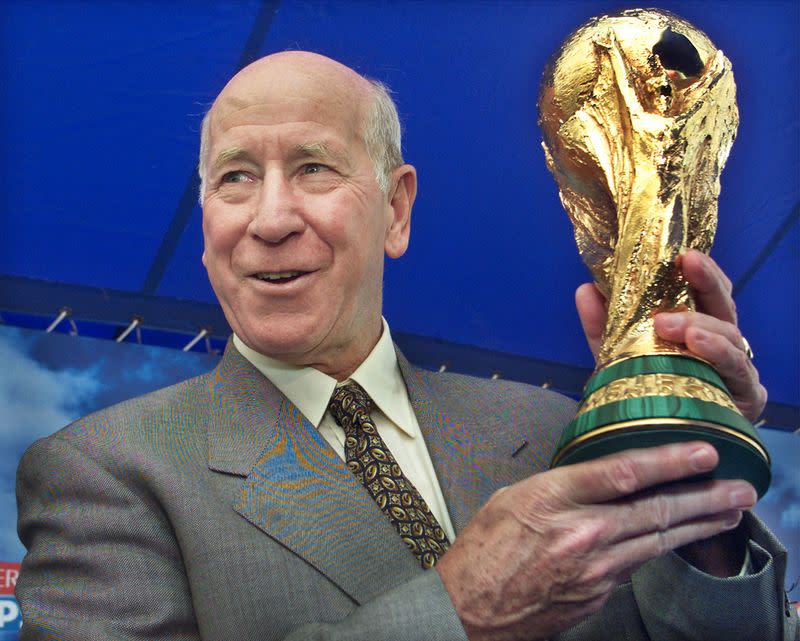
x,y
655,400
638,114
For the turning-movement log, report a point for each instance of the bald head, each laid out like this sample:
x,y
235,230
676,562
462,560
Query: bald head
x,y
321,85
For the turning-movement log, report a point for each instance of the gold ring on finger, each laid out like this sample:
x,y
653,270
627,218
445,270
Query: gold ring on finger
x,y
747,349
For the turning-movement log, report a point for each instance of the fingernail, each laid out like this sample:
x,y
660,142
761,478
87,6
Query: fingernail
x,y
701,460
732,521
700,335
743,498
670,321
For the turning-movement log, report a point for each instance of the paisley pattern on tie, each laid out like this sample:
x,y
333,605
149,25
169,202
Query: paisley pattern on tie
x,y
370,460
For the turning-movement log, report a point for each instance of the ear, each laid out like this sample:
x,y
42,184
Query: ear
x,y
203,230
403,191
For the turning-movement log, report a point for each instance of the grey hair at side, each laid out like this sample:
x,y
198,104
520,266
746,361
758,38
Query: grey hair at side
x,y
382,135
201,165
382,138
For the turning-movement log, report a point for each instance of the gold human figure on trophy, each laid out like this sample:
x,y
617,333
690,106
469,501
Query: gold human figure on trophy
x,y
637,148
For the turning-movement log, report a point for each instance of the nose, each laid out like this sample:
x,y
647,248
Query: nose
x,y
278,212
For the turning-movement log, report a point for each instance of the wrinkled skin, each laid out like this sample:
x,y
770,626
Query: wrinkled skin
x,y
291,189
546,552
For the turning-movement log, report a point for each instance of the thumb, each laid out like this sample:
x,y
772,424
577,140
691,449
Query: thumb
x,y
592,312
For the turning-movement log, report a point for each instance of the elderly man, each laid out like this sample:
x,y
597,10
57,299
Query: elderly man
x,y
317,486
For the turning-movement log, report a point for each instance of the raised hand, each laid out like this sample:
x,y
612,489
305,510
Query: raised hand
x,y
711,332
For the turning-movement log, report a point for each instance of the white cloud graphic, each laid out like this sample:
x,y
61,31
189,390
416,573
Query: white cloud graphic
x,y
34,402
37,401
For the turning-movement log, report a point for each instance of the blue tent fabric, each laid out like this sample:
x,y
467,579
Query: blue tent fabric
x,y
100,107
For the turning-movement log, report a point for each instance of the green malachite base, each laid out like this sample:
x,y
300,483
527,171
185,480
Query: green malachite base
x,y
658,420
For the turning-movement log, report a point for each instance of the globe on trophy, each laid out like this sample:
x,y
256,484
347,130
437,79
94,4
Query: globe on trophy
x,y
638,115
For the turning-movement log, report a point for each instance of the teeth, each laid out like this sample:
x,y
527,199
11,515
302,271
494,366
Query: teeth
x,y
269,276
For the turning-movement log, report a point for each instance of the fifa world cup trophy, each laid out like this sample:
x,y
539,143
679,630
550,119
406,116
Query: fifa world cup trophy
x,y
638,114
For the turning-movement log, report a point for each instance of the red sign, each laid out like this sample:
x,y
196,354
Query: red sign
x,y
8,578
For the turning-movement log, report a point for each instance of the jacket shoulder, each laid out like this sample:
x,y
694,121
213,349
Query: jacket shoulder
x,y
499,412
482,394
147,422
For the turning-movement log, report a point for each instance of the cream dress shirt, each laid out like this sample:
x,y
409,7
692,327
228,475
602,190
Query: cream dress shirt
x,y
311,390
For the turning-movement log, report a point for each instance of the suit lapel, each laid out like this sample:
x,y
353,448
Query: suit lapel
x,y
469,466
301,494
297,490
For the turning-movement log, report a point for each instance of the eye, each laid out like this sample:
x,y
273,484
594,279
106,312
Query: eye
x,y
314,168
235,177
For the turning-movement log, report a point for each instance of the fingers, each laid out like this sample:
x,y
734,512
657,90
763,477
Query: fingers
x,y
711,287
734,366
592,312
620,475
673,326
635,551
711,333
676,506
720,343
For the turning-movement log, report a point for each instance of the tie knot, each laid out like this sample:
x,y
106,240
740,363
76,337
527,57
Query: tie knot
x,y
350,406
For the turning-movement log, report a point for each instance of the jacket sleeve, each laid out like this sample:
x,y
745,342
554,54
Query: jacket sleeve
x,y
677,601
103,563
91,540
416,610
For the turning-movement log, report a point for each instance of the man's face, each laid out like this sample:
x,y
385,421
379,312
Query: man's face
x,y
295,225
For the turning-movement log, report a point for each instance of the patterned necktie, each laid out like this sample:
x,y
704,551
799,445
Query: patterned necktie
x,y
370,460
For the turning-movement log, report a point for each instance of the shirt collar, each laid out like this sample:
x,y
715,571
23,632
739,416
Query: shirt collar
x,y
310,390
380,377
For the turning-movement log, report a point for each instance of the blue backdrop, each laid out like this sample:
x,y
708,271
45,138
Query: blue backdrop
x,y
100,105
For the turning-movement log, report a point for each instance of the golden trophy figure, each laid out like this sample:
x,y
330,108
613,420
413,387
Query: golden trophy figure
x,y
638,114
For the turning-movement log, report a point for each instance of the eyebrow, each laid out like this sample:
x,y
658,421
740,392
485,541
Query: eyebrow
x,y
317,149
226,155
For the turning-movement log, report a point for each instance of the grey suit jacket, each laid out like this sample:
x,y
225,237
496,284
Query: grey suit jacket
x,y
213,510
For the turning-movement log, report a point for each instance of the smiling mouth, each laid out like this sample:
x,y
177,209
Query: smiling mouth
x,y
279,278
